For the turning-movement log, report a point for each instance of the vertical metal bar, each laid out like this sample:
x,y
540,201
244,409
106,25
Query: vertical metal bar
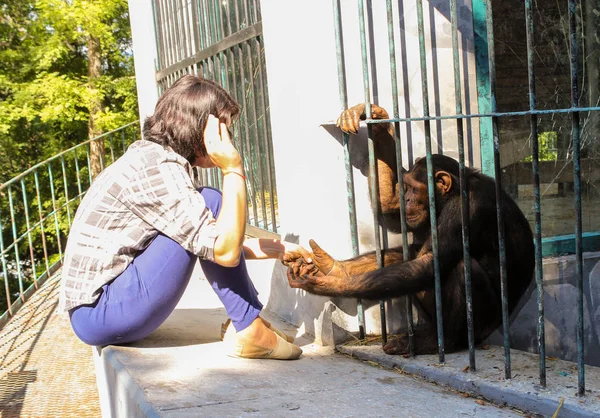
x,y
66,187
187,35
228,17
225,69
464,192
237,15
573,6
430,184
178,43
339,44
77,174
170,57
112,152
4,268
28,225
218,19
399,168
246,15
195,26
159,32
211,23
89,163
244,120
372,160
251,100
270,153
123,141
55,209
265,137
497,176
202,32
539,274
103,156
238,95
42,229
15,243
483,88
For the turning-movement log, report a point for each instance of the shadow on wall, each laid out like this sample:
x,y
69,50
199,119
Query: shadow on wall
x,y
560,312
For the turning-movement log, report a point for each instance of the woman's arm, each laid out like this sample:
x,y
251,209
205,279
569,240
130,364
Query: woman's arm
x,y
231,222
262,248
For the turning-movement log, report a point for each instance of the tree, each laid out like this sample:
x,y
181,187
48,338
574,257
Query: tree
x,y
52,95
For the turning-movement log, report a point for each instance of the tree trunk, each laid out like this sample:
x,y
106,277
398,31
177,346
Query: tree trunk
x,y
94,72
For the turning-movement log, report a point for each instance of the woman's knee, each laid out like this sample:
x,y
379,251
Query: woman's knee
x,y
213,199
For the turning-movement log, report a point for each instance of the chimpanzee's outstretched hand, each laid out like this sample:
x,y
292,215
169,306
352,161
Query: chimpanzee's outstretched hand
x,y
325,263
303,276
308,277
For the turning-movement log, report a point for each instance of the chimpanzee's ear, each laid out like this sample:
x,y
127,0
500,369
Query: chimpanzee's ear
x,y
443,182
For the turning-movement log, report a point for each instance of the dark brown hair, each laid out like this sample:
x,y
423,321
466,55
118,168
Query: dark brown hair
x,y
181,113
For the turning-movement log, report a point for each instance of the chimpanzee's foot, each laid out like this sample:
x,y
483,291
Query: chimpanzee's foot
x,y
425,342
397,345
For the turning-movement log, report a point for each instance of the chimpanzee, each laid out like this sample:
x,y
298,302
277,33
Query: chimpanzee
x,y
360,278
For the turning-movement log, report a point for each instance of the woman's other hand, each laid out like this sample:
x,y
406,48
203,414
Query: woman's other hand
x,y
219,148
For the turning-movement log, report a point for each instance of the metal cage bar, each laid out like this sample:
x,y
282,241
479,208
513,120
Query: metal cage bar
x,y
499,197
431,185
573,6
539,275
372,160
348,166
28,231
399,168
464,192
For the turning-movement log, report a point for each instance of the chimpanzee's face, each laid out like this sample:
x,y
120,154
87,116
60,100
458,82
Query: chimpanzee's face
x,y
417,202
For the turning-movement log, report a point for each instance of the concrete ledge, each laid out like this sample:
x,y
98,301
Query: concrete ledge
x,y
120,395
522,391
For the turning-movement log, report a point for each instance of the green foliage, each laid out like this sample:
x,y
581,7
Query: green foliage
x,y
547,148
45,97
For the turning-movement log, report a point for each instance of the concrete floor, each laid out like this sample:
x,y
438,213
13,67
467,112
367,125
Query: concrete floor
x,y
45,371
196,378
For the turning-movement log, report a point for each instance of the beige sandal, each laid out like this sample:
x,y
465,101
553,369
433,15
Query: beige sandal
x,y
288,338
282,351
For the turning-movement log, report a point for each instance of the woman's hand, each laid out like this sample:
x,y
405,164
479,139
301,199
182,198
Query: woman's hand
x,y
261,248
219,148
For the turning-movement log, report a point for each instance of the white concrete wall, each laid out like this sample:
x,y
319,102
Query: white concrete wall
x,y
144,55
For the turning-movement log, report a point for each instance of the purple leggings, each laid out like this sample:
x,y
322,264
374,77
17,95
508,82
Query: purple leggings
x,y
142,297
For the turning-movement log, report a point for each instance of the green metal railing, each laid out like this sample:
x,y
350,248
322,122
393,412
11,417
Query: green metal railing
x,y
36,211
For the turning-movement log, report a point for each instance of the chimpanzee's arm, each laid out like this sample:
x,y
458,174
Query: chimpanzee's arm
x,y
327,265
368,262
388,282
396,279
385,152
